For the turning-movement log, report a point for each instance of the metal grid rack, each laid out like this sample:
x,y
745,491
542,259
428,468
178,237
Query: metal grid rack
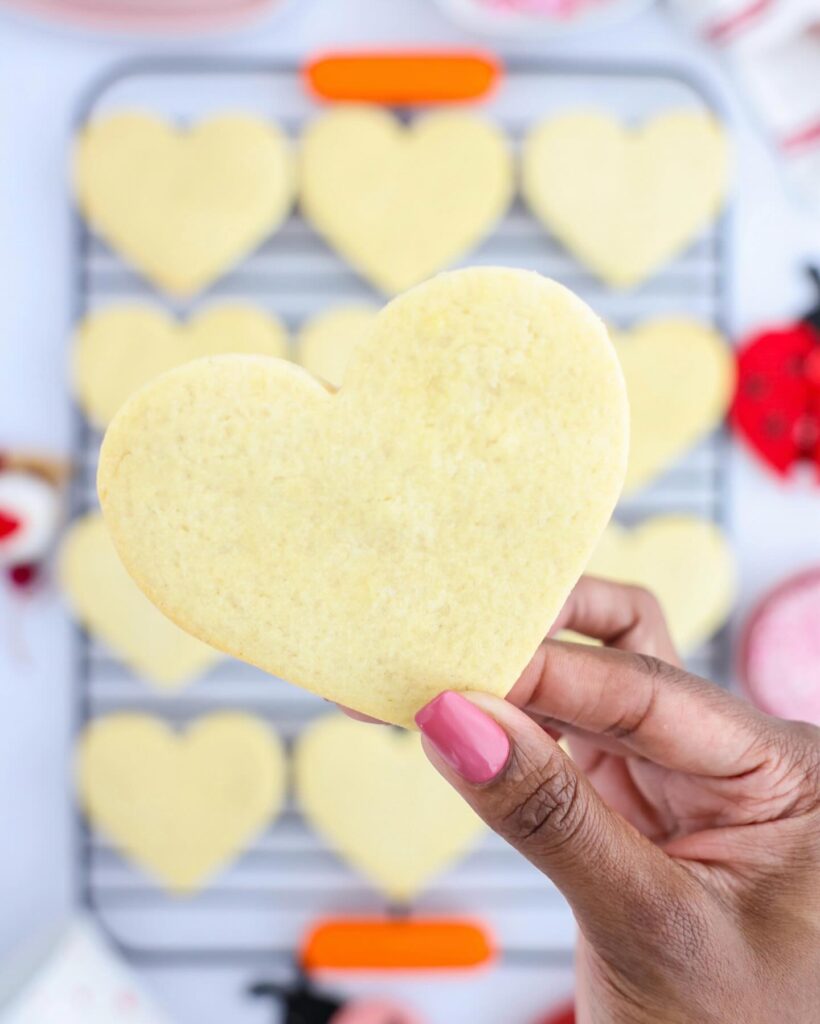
x,y
288,878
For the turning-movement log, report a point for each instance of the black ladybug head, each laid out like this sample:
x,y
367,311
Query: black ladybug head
x,y
813,316
301,1005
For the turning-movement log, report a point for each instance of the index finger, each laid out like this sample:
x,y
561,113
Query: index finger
x,y
626,617
656,710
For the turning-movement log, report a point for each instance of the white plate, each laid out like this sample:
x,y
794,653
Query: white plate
x,y
509,23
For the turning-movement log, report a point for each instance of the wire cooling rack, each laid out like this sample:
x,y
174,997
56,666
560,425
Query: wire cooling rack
x,y
258,909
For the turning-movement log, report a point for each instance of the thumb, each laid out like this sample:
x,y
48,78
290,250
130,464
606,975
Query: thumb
x,y
531,793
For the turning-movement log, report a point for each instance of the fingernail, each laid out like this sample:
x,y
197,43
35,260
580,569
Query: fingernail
x,y
470,741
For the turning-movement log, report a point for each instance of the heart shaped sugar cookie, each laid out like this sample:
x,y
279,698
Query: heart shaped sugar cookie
x,y
328,340
183,206
120,348
417,531
403,203
626,201
109,604
180,805
686,562
680,377
372,794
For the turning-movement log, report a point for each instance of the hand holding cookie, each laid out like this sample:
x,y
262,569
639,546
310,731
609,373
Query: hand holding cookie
x,y
684,829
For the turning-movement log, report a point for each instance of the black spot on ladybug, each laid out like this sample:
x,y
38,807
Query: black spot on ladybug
x,y
807,434
811,368
774,425
755,385
795,366
813,316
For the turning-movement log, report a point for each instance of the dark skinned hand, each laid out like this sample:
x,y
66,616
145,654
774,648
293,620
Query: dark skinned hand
x,y
684,830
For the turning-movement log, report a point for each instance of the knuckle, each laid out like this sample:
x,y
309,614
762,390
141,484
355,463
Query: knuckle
x,y
799,753
544,803
634,719
808,742
785,782
656,669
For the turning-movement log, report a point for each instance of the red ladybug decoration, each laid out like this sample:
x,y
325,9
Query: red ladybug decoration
x,y
777,405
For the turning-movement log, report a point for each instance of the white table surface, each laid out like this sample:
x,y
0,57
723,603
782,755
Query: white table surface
x,y
41,74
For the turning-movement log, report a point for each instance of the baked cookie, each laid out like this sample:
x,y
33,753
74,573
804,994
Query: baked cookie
x,y
119,348
680,378
402,203
181,805
686,562
183,206
110,605
328,340
376,800
417,531
625,200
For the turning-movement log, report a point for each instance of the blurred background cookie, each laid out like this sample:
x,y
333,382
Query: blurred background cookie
x,y
183,206
121,347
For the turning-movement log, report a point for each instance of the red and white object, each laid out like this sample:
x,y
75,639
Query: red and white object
x,y
773,47
176,16
29,513
539,17
31,489
780,653
83,981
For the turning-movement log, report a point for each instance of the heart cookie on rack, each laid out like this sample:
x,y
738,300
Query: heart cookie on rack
x,y
374,797
111,606
120,348
680,378
624,200
328,340
182,206
686,562
417,531
401,203
180,805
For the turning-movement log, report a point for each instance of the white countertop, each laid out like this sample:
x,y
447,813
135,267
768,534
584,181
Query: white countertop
x,y
41,75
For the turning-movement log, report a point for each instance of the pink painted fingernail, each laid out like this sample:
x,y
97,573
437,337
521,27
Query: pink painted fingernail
x,y
470,741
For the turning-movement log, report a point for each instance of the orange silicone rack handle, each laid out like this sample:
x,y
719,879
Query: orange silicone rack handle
x,y
402,78
367,944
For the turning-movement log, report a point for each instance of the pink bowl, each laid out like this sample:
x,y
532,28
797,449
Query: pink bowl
x,y
780,650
